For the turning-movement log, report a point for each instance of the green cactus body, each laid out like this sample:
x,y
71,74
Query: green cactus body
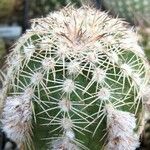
x,y
75,76
132,10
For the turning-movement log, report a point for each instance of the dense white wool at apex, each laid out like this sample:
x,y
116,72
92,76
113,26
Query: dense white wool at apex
x,y
77,31
121,125
16,118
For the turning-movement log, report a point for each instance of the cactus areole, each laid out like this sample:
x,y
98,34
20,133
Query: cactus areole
x,y
75,81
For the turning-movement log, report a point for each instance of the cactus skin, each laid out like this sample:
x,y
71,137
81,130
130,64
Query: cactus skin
x,y
135,11
74,70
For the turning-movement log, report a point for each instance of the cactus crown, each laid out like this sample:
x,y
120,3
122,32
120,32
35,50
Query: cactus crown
x,y
70,72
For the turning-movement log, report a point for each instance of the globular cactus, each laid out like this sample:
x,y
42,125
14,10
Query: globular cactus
x,y
76,80
135,11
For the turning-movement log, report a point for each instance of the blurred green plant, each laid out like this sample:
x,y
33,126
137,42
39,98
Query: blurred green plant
x,y
12,10
6,9
135,11
43,7
2,50
144,36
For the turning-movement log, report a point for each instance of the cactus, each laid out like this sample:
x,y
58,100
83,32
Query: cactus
x,y
76,80
135,11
